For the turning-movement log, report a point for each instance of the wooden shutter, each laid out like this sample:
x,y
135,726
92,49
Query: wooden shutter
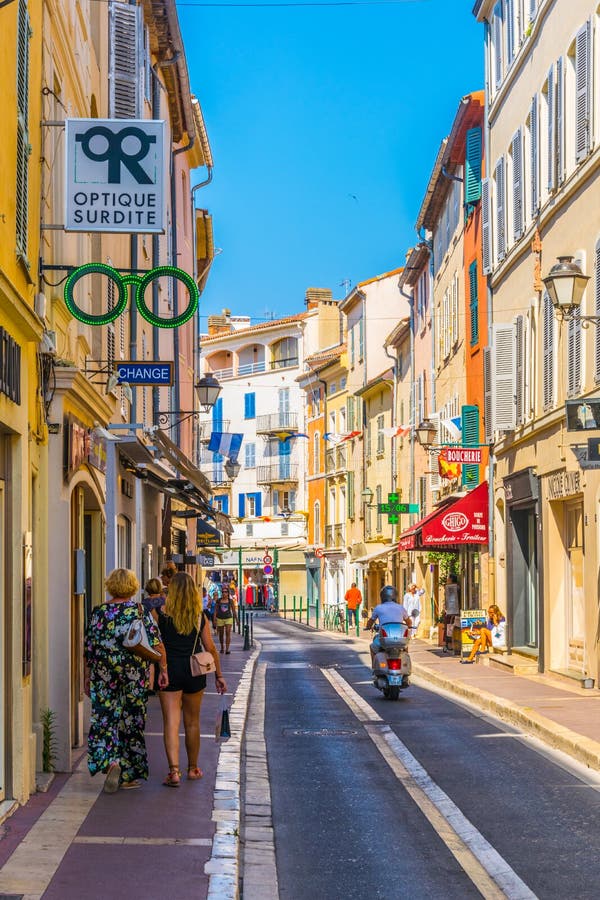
x,y
574,355
434,475
486,236
503,378
473,165
597,312
551,127
350,494
125,61
534,156
517,160
23,148
548,352
454,329
582,92
500,210
258,504
532,9
473,303
559,134
520,333
470,438
487,395
510,31
241,506
497,41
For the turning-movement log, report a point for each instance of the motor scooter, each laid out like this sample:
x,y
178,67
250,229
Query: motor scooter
x,y
391,664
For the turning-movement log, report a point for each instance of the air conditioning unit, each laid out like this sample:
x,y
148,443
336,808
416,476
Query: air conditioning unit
x,y
48,343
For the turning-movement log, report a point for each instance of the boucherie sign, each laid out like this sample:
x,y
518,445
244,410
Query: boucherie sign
x,y
463,522
114,178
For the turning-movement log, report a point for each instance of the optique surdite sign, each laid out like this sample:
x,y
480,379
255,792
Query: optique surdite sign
x,y
114,178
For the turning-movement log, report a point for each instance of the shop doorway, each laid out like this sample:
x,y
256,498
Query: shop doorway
x,y
4,656
574,587
524,613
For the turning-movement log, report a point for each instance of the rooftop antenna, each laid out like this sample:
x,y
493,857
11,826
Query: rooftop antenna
x,y
346,285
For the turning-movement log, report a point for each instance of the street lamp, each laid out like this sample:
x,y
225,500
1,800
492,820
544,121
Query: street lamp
x,y
232,468
565,284
426,433
207,390
366,495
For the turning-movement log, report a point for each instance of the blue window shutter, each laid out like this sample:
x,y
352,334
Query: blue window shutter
x,y
473,303
249,406
470,438
241,506
473,166
258,502
285,448
217,415
223,499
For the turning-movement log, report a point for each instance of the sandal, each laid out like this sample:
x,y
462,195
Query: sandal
x,y
131,785
172,779
113,776
194,773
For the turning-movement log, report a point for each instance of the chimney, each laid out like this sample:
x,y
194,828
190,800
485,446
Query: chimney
x,y
314,296
220,324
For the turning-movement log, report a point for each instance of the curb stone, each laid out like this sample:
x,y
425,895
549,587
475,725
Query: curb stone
x,y
224,863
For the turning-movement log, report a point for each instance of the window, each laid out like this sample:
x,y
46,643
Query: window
x,y
352,346
317,522
316,402
582,92
332,388
534,161
486,237
361,339
250,456
350,413
124,89
500,195
454,311
221,502
343,383
250,406
249,505
517,185
23,148
548,352
497,48
559,106
380,435
473,166
123,542
285,353
285,529
378,501
350,494
473,303
369,441
249,529
316,453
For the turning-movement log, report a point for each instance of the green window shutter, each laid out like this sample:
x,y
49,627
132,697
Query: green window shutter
x,y
350,494
473,166
470,438
473,303
23,148
125,61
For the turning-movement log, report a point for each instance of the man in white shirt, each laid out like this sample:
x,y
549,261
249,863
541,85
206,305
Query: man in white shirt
x,y
412,601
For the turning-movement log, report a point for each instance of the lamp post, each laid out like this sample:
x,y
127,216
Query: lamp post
x,y
426,433
207,391
566,284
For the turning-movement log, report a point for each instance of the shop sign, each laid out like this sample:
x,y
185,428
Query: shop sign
x,y
520,486
471,623
114,175
134,372
97,451
205,559
407,543
206,535
563,484
463,455
464,522
76,446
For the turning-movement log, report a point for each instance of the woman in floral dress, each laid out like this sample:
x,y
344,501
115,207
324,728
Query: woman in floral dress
x,y
117,683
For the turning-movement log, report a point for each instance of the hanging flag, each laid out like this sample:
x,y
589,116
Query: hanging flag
x,y
396,431
332,437
449,470
453,428
288,435
226,444
350,434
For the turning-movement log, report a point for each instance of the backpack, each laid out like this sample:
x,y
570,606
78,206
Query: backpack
x,y
224,609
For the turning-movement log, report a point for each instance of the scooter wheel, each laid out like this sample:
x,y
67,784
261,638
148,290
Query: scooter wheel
x,y
392,692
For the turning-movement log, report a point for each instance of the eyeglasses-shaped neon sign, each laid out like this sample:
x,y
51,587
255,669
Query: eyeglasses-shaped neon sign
x,y
141,284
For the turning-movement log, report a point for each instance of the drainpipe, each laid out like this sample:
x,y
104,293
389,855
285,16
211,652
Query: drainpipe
x,y
411,303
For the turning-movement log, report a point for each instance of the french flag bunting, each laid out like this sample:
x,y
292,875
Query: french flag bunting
x,y
226,444
350,434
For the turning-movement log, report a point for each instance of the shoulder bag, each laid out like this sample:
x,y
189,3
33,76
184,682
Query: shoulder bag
x,y
136,639
201,662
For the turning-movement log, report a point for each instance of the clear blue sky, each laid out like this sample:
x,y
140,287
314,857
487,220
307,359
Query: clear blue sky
x,y
324,125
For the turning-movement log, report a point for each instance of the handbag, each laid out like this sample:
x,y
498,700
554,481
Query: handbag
x,y
136,640
202,662
222,726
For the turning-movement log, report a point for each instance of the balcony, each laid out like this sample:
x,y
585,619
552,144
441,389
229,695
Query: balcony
x,y
216,474
251,368
284,363
207,428
335,460
280,421
283,473
335,537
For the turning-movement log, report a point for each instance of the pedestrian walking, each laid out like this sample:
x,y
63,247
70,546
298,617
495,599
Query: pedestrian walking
x,y
353,600
225,614
117,684
155,597
412,602
181,623
166,573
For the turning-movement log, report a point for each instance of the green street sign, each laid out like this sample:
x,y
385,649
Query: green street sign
x,y
393,498
393,520
396,509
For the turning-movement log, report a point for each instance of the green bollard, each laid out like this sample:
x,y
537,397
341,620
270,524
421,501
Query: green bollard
x,y
317,614
347,626
294,606
308,612
357,620
285,606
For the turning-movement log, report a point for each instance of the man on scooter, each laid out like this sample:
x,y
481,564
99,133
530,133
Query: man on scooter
x,y
388,611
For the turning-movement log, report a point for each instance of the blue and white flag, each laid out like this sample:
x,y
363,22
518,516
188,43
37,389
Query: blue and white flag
x,y
226,444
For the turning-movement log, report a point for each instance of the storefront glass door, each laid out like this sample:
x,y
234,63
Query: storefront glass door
x,y
524,601
574,587
4,730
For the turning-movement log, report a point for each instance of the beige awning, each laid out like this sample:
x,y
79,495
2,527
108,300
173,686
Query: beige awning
x,y
375,555
181,462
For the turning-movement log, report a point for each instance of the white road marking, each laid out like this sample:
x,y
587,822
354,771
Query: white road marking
x,y
490,873
501,734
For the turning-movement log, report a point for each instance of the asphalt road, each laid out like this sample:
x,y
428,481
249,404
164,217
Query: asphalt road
x,y
347,827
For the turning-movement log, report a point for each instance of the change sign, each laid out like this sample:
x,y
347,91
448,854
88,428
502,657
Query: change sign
x,y
114,175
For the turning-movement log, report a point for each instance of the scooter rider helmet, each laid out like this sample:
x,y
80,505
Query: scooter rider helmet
x,y
388,592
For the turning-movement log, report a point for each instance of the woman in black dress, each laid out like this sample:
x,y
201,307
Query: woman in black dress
x,y
179,623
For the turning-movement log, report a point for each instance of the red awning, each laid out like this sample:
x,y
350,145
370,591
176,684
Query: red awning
x,y
463,522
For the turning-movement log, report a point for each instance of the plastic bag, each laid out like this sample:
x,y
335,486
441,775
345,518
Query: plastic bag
x,y
222,727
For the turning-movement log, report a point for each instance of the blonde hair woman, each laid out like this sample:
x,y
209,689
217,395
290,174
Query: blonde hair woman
x,y
491,635
117,683
181,622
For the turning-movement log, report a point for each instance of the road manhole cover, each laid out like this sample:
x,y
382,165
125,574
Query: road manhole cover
x,y
318,732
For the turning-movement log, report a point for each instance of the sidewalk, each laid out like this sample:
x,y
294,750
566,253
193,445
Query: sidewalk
x,y
563,716
150,843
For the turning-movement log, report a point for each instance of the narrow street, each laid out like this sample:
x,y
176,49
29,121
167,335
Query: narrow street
x,y
345,824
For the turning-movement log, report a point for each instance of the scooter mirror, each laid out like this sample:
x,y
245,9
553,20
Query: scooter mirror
x,y
414,613
375,627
